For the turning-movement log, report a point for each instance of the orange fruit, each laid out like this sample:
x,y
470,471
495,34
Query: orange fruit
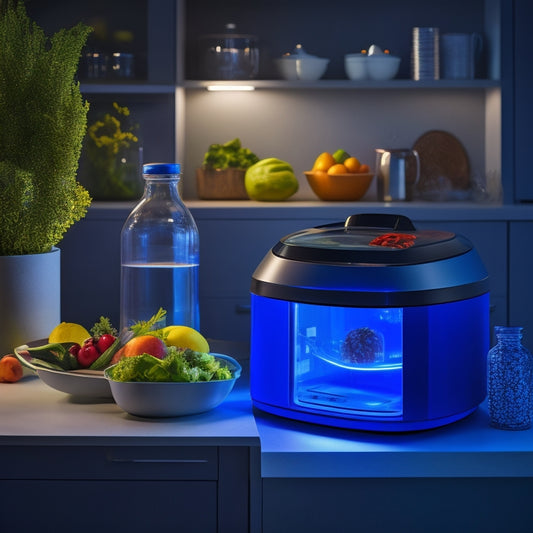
x,y
142,344
364,169
339,168
352,164
323,161
10,369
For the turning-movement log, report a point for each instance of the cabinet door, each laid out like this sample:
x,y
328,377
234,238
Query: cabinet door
x,y
523,108
186,489
520,279
90,268
421,505
230,250
82,506
490,241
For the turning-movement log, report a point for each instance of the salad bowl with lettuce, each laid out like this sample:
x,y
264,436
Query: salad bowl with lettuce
x,y
185,382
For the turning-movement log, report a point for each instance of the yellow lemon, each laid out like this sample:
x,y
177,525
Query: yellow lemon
x,y
185,337
324,161
68,332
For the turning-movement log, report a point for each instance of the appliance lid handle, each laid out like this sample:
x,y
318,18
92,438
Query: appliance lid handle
x,y
380,220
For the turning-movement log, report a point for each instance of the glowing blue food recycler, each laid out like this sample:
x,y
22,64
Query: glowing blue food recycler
x,y
370,324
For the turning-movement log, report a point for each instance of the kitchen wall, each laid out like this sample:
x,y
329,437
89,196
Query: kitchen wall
x,y
297,125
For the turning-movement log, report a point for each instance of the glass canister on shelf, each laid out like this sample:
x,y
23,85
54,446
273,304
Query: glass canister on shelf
x,y
160,254
510,380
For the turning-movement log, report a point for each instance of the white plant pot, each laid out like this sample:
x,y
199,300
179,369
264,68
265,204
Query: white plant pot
x,y
30,298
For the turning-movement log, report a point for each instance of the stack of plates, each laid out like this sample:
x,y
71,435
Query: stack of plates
x,y
425,54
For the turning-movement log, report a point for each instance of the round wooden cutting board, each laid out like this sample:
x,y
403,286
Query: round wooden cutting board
x,y
444,162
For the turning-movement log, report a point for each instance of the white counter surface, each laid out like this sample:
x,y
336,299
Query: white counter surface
x,y
467,448
33,413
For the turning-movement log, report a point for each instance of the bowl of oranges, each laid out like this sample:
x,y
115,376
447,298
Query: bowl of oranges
x,y
339,177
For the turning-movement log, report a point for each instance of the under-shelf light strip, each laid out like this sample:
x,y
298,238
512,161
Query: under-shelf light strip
x,y
230,88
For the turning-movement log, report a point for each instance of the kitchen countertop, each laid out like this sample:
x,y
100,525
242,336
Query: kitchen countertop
x,y
467,448
32,413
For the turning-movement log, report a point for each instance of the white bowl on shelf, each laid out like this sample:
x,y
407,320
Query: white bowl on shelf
x,y
382,66
287,67
299,65
355,66
311,68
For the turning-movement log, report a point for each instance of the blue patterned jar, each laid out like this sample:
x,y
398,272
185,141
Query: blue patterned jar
x,y
510,381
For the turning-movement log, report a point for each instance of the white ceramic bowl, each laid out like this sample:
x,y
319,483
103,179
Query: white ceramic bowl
x,y
287,67
382,66
158,400
355,66
311,68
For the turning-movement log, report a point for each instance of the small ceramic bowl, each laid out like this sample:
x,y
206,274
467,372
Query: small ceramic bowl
x,y
159,400
311,68
355,66
382,66
339,187
287,67
299,65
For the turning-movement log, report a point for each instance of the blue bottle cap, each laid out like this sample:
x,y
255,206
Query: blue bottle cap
x,y
162,168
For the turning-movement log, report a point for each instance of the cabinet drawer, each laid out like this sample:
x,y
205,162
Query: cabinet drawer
x,y
69,506
110,462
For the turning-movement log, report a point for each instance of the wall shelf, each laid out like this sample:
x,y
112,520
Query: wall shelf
x,y
348,84
126,88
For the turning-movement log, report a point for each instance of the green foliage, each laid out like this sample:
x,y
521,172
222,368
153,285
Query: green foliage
x,y
43,119
229,155
182,366
112,156
102,327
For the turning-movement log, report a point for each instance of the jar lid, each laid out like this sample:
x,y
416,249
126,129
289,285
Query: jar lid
x,y
371,239
299,53
162,168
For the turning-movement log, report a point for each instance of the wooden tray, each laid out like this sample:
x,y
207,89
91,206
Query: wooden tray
x,y
444,162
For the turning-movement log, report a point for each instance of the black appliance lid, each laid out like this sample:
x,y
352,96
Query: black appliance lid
x,y
372,239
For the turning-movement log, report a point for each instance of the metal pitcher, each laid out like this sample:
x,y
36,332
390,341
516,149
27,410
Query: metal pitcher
x,y
397,172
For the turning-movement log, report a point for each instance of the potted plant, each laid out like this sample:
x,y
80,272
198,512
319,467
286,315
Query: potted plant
x,y
221,176
43,119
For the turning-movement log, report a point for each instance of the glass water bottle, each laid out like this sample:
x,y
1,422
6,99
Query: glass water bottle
x,y
510,381
160,254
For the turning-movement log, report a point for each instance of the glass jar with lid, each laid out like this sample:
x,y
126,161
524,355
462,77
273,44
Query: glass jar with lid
x,y
510,381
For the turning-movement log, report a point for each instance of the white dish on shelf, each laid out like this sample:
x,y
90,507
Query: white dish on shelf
x,y
382,66
355,66
299,65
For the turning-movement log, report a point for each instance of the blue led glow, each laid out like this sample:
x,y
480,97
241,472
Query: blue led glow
x,y
433,370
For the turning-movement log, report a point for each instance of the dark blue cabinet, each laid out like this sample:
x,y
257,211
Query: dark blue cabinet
x,y
523,103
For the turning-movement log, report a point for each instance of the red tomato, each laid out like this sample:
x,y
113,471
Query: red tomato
x,y
104,342
87,355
